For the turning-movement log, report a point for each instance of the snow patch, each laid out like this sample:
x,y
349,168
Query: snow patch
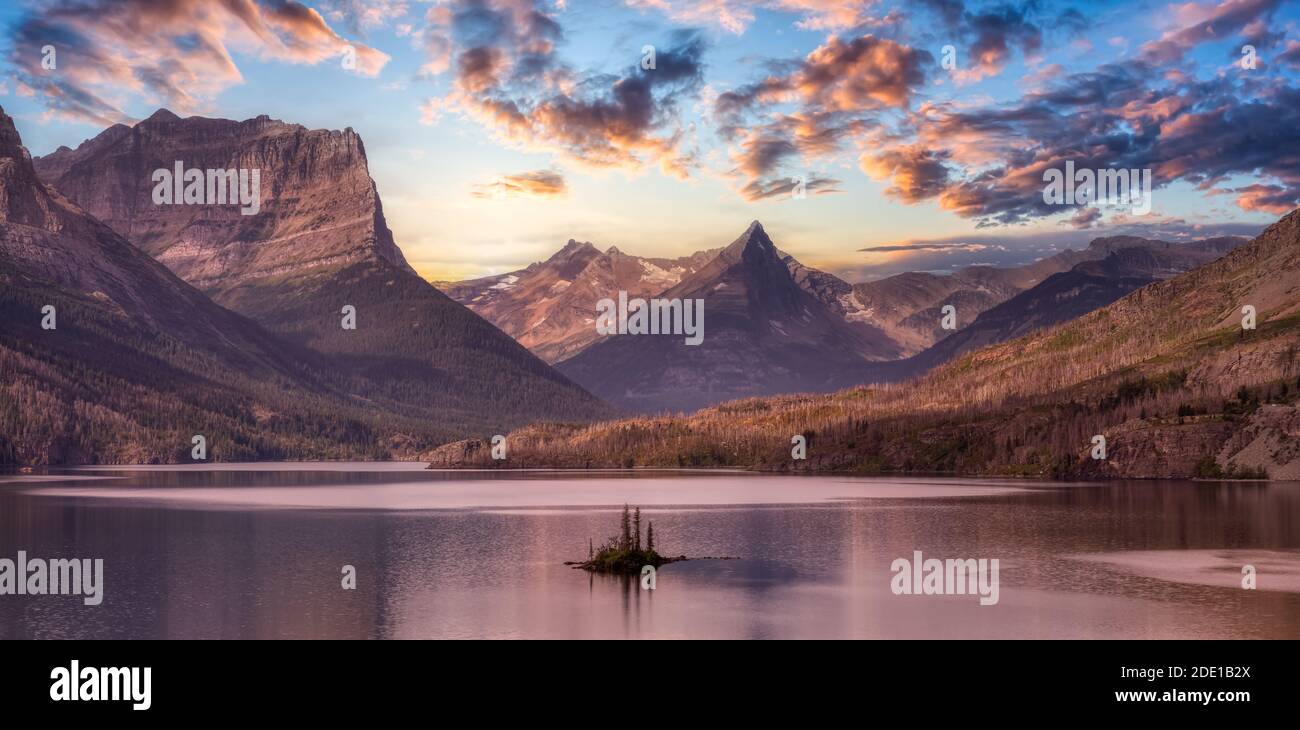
x,y
506,283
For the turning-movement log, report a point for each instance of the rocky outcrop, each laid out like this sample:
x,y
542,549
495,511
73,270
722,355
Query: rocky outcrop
x,y
549,307
1270,442
318,204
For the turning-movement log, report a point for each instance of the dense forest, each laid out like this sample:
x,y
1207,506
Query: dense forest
x,y
105,389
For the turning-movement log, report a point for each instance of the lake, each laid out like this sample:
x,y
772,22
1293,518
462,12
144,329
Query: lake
x,y
258,551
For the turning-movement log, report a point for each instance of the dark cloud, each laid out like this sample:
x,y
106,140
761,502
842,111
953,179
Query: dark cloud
x,y
991,34
1226,19
509,77
1118,117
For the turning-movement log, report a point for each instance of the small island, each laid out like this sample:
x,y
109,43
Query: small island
x,y
624,553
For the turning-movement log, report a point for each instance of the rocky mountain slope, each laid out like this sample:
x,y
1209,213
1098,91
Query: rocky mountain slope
x,y
549,307
908,307
317,243
764,333
1066,295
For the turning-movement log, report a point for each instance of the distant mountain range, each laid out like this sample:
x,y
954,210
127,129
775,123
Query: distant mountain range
x,y
777,326
418,369
1167,375
1128,264
549,307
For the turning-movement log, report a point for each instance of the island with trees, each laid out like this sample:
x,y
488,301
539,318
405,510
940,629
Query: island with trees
x,y
625,553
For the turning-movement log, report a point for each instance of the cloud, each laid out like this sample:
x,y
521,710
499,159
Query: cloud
x,y
836,91
177,52
735,16
949,254
1129,117
359,16
923,246
534,184
1274,199
916,173
1205,24
1085,218
991,35
1291,56
787,187
509,78
839,76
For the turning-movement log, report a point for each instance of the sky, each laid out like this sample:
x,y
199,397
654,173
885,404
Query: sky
x,y
869,137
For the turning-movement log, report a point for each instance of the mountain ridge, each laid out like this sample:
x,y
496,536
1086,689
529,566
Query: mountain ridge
x,y
763,333
1166,373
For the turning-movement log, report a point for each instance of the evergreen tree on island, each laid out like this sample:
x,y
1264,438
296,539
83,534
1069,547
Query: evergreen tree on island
x,y
623,553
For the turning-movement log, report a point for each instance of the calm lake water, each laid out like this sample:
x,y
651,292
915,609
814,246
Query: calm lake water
x,y
257,551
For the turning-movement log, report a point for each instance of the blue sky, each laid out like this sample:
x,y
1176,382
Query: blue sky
x,y
498,129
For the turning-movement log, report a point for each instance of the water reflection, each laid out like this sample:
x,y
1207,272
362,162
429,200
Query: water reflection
x,y
815,567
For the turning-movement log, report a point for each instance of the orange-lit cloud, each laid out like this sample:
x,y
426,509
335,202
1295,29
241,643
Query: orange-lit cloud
x,y
508,78
177,52
534,184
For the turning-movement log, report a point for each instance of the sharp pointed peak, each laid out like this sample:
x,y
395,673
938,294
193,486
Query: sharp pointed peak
x,y
613,251
571,251
754,235
8,132
163,115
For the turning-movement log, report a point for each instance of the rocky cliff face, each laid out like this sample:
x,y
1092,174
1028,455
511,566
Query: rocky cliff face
x,y
318,243
48,240
549,307
318,204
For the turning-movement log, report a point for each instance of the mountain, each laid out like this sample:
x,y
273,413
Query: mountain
x,y
764,333
908,306
318,242
319,207
549,307
1167,374
138,361
1129,265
